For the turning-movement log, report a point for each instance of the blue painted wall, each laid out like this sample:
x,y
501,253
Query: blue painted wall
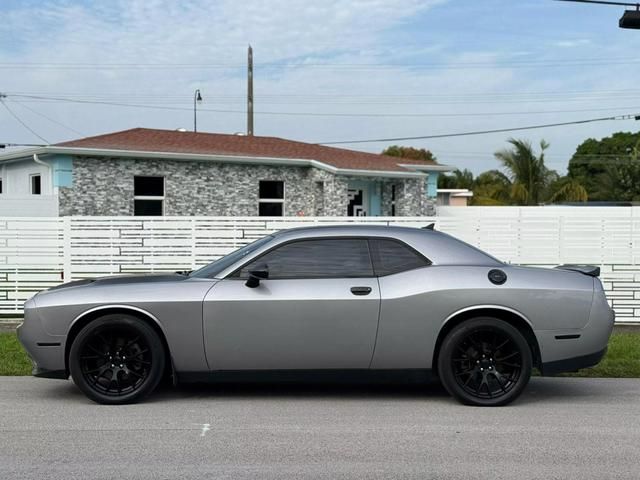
x,y
432,185
62,169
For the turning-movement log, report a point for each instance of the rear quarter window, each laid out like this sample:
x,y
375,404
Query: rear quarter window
x,y
392,256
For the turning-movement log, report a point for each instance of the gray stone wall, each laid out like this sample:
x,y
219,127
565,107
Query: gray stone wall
x,y
103,186
387,198
411,198
334,193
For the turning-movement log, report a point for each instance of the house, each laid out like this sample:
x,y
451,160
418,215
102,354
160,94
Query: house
x,y
164,172
453,197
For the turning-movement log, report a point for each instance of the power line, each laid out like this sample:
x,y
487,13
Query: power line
x,y
11,112
334,95
320,114
485,132
330,66
602,2
49,118
324,100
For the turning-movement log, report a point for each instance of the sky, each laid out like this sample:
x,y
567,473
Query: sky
x,y
330,71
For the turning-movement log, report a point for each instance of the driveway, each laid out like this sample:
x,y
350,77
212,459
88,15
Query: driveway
x,y
560,428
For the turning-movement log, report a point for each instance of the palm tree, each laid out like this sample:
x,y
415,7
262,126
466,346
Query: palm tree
x,y
527,172
456,179
531,182
492,188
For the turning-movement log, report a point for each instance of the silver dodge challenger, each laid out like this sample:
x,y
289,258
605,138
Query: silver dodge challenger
x,y
363,302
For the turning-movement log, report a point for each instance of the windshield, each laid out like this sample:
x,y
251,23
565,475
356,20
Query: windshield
x,y
213,269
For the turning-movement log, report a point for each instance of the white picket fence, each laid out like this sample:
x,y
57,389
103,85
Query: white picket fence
x,y
38,253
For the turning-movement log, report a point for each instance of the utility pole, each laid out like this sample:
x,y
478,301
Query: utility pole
x,y
250,91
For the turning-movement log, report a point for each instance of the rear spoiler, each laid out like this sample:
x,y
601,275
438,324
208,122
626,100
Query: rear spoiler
x,y
590,270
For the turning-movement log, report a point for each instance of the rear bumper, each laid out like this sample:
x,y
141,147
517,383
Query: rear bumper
x,y
572,364
572,349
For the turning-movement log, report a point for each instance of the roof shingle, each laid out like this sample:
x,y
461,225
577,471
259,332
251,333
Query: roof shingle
x,y
172,141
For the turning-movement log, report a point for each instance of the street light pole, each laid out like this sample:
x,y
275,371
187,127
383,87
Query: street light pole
x,y
197,98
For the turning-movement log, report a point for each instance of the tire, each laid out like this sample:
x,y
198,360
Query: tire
x,y
117,359
485,362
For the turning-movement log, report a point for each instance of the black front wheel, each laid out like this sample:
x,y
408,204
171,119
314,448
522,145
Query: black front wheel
x,y
117,359
485,362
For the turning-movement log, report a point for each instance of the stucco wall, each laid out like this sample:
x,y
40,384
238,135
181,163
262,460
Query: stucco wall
x,y
16,178
458,201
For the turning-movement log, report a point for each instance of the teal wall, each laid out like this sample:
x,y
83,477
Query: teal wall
x,y
62,170
432,185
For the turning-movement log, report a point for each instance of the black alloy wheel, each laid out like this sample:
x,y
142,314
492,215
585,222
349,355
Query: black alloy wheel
x,y
117,359
485,362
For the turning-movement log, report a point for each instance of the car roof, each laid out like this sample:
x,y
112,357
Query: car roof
x,y
440,248
365,230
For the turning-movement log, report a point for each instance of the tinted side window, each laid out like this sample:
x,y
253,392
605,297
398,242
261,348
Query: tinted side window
x,y
391,257
330,258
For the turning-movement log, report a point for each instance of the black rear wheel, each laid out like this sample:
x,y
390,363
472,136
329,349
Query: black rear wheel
x,y
117,359
485,362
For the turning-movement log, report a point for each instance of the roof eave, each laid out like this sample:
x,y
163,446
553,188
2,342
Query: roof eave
x,y
25,154
427,167
302,162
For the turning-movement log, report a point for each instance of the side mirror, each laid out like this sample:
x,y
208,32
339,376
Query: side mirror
x,y
260,272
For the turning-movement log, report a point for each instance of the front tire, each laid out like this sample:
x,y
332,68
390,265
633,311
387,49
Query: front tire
x,y
485,362
117,359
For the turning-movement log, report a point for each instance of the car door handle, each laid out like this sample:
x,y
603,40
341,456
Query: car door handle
x,y
361,290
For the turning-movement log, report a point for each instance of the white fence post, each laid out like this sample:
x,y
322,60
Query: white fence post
x,y
66,249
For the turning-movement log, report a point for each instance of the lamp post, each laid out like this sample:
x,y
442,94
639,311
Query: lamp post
x,y
197,98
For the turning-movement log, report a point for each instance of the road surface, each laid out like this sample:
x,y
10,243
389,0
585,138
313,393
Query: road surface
x,y
560,428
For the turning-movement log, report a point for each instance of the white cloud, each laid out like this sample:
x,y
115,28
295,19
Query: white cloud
x,y
579,42
326,37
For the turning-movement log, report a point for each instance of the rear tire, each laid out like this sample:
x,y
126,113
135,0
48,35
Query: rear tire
x,y
485,362
117,359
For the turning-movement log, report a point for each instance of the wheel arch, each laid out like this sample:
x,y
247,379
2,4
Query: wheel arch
x,y
90,315
509,315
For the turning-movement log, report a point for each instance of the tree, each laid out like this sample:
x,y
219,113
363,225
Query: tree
x,y
565,189
526,180
600,164
456,179
528,174
621,180
492,188
410,152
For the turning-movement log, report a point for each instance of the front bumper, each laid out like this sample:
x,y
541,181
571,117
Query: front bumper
x,y
46,351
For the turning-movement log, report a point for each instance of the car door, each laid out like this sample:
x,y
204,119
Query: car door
x,y
408,327
317,310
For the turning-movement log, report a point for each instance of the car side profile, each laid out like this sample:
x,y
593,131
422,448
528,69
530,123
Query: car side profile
x,y
363,300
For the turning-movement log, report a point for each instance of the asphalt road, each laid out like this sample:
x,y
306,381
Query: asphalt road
x,y
560,428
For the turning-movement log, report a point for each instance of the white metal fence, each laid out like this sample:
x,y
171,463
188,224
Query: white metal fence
x,y
37,253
